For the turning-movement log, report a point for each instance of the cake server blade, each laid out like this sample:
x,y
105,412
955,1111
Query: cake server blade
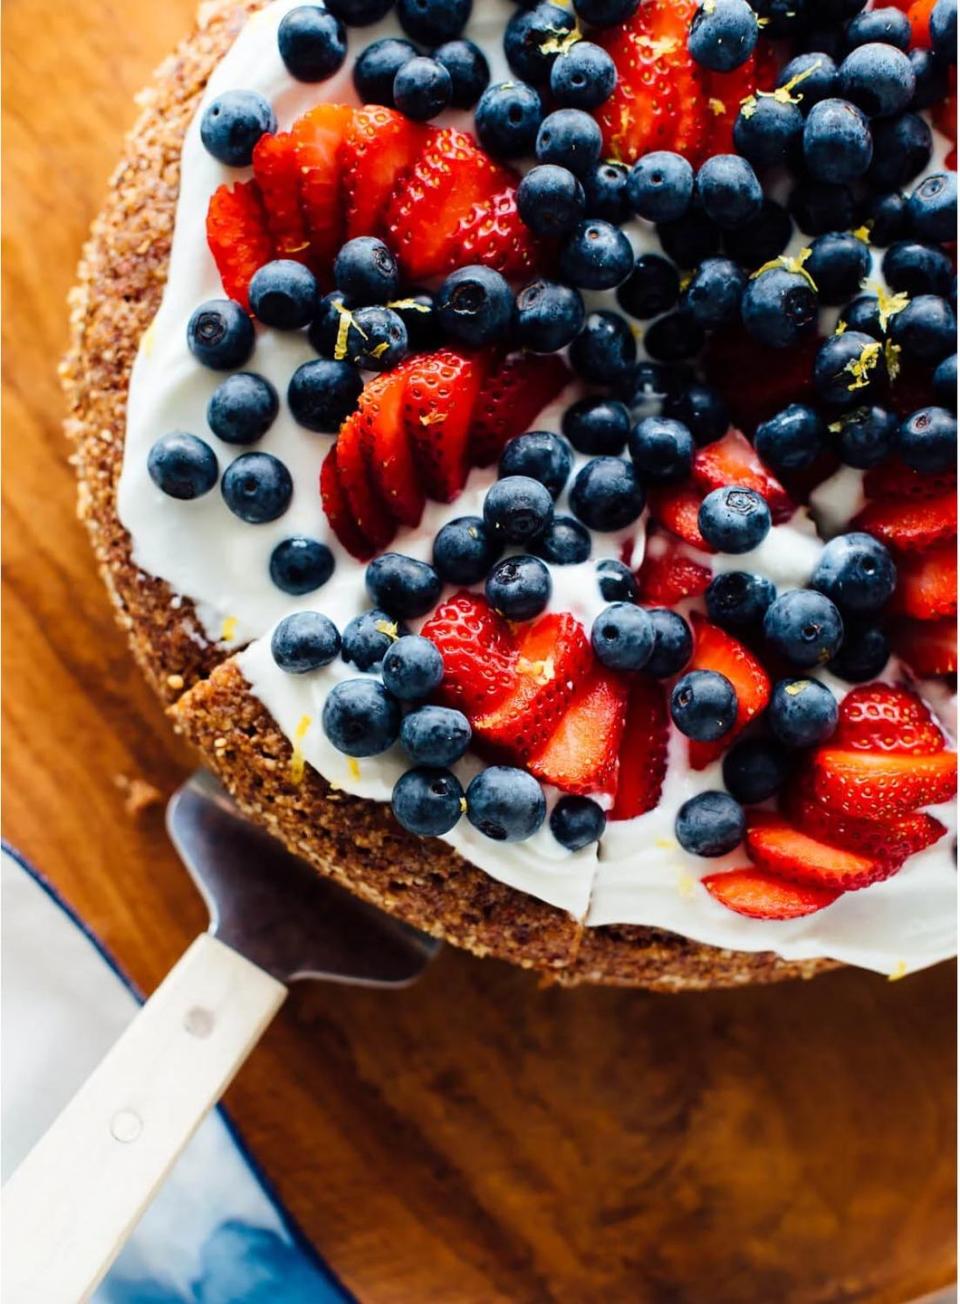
x,y
72,1202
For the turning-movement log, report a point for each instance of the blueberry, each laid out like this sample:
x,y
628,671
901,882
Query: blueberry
x,y
565,542
821,206
242,408
925,329
422,88
531,38
703,705
738,600
376,338
662,449
653,287
435,735
233,123
917,269
690,239
220,335
802,712
826,36
933,208
402,585
299,565
517,509
767,130
360,717
877,78
463,551
468,68
713,296
606,191
734,519
304,641
674,337
702,409
182,466
791,440
863,314
661,186
838,262
505,804
945,382
605,13
283,294
433,21
312,43
474,305
622,636
927,440
865,652
597,256
605,350
779,307
804,626
931,83
541,455
723,34
902,147
856,572
943,30
519,587
583,77
728,189
849,369
886,24
427,801
507,119
551,200
547,316
365,271
607,495
837,145
368,638
887,218
755,770
648,385
412,668
672,643
576,822
257,487
359,13
710,824
867,436
782,18
418,313
377,67
616,582
814,78
322,394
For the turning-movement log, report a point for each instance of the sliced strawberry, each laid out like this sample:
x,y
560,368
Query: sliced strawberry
x,y
894,838
734,460
927,583
238,237
676,507
513,397
370,511
580,756
884,718
338,510
386,446
715,649
759,895
379,149
862,783
643,750
777,376
893,479
913,525
441,394
319,135
668,575
929,647
553,656
724,92
479,659
919,14
277,173
494,234
778,847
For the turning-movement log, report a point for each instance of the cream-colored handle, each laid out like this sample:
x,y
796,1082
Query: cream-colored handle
x,y
69,1207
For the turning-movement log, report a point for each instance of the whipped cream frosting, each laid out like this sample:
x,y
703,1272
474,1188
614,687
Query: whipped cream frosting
x,y
638,874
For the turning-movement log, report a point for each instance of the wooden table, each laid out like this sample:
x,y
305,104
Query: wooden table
x,y
475,1138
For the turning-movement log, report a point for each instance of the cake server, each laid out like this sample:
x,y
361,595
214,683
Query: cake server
x,y
70,1205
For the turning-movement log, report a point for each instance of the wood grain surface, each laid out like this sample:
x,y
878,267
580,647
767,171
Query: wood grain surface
x,y
475,1138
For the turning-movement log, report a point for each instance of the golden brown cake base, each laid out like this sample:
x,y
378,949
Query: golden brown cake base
x,y
356,842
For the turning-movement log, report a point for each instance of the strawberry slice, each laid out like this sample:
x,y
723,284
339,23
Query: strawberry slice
x,y
643,751
777,376
370,510
758,895
386,446
553,655
862,783
338,510
884,718
913,525
668,575
494,234
378,150
479,659
927,583
724,92
441,392
715,649
318,136
676,507
919,14
581,754
893,839
238,237
928,647
894,479
734,460
277,173
778,847
513,397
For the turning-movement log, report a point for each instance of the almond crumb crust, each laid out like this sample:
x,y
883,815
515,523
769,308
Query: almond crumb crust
x,y
354,841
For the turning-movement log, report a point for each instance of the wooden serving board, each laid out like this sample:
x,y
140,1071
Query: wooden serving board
x,y
475,1138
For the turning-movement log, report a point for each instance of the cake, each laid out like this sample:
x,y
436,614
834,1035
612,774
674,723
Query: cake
x,y
580,586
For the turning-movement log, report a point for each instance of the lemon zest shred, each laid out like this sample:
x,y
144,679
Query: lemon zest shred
x,y
888,304
862,233
379,349
353,767
432,418
717,107
296,758
388,627
409,305
796,688
898,971
347,320
228,630
561,42
686,884
795,265
891,355
860,367
840,327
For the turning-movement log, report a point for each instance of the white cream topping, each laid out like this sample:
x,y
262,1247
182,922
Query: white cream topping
x,y
640,875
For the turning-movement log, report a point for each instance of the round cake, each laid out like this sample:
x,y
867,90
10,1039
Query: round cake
x,y
520,444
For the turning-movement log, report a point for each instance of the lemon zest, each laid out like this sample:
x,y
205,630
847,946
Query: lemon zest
x,y
463,805
388,627
296,758
686,884
562,42
840,327
343,331
432,418
795,265
891,355
541,671
796,688
888,305
410,305
717,107
860,367
379,349
898,971
228,630
862,233
353,767
748,106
